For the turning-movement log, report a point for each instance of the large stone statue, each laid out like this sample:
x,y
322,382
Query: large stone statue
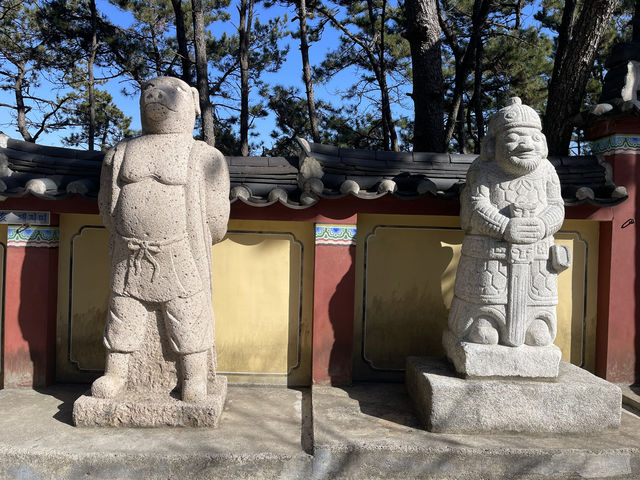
x,y
502,321
164,197
506,291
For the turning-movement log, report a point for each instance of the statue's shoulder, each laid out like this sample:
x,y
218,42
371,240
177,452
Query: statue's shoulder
x,y
211,160
116,152
480,170
206,153
547,169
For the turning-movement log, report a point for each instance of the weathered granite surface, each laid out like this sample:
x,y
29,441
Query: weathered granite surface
x,y
506,287
480,360
365,431
164,197
144,409
576,402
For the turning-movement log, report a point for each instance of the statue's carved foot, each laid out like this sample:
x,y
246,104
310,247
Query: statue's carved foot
x,y
108,386
538,334
482,331
194,380
194,390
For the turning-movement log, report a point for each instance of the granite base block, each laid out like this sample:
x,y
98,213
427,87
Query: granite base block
x,y
478,360
576,402
136,409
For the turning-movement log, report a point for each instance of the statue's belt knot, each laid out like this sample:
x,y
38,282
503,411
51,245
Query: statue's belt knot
x,y
146,249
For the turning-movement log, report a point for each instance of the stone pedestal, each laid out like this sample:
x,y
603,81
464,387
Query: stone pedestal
x,y
575,402
479,360
152,396
151,409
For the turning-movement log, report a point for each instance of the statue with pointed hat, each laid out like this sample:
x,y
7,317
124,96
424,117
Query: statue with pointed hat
x,y
502,320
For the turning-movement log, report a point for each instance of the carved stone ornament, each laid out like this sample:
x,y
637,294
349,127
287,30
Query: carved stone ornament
x,y
502,320
164,197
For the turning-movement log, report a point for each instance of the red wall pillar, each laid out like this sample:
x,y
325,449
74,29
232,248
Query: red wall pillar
x,y
333,302
30,305
618,332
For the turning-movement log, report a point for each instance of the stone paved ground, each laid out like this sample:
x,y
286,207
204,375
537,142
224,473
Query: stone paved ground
x,y
364,431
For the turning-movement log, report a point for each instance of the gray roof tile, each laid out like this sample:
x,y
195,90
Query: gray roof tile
x,y
65,172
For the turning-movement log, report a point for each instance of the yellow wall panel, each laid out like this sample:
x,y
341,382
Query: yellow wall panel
x,y
405,272
263,294
83,295
263,289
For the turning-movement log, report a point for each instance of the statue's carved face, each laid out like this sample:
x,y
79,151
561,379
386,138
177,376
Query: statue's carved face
x,y
519,150
168,105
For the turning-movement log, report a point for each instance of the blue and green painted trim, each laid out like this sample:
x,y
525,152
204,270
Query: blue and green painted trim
x,y
21,236
617,144
335,234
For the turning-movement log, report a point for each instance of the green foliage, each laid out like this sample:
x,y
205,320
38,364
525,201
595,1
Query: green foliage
x,y
266,55
24,63
47,43
111,124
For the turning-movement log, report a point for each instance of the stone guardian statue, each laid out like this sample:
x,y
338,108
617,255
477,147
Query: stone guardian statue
x,y
506,292
164,198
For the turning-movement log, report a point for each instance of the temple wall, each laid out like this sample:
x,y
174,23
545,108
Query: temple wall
x,y
3,254
405,271
263,295
263,291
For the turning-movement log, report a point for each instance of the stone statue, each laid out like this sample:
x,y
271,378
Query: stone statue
x,y
506,291
164,197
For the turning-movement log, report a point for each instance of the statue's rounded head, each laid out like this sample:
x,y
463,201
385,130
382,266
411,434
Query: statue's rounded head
x,y
514,114
515,139
168,105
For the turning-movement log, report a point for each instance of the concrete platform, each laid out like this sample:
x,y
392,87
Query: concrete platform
x,y
259,436
366,431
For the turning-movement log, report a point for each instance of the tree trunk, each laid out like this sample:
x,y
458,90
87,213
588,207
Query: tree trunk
x,y
476,101
635,33
390,137
479,18
202,74
21,109
181,36
423,34
244,35
571,74
564,34
461,131
91,80
156,51
306,70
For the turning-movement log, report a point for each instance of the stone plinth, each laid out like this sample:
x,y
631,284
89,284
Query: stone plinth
x,y
576,402
479,360
151,409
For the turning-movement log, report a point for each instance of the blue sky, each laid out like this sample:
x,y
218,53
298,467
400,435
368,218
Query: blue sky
x,y
289,74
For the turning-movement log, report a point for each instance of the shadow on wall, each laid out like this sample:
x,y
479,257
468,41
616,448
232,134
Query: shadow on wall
x,y
30,355
341,319
408,286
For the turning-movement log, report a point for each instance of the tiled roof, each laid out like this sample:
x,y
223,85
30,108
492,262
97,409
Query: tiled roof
x,y
322,171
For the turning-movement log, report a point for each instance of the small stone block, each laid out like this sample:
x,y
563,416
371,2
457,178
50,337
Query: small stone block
x,y
479,360
576,402
135,409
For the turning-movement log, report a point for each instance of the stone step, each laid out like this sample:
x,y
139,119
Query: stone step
x,y
364,431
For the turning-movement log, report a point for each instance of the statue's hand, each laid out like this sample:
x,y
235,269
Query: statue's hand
x,y
524,230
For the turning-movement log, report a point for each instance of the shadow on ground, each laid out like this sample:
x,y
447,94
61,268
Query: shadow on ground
x,y
67,394
388,402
